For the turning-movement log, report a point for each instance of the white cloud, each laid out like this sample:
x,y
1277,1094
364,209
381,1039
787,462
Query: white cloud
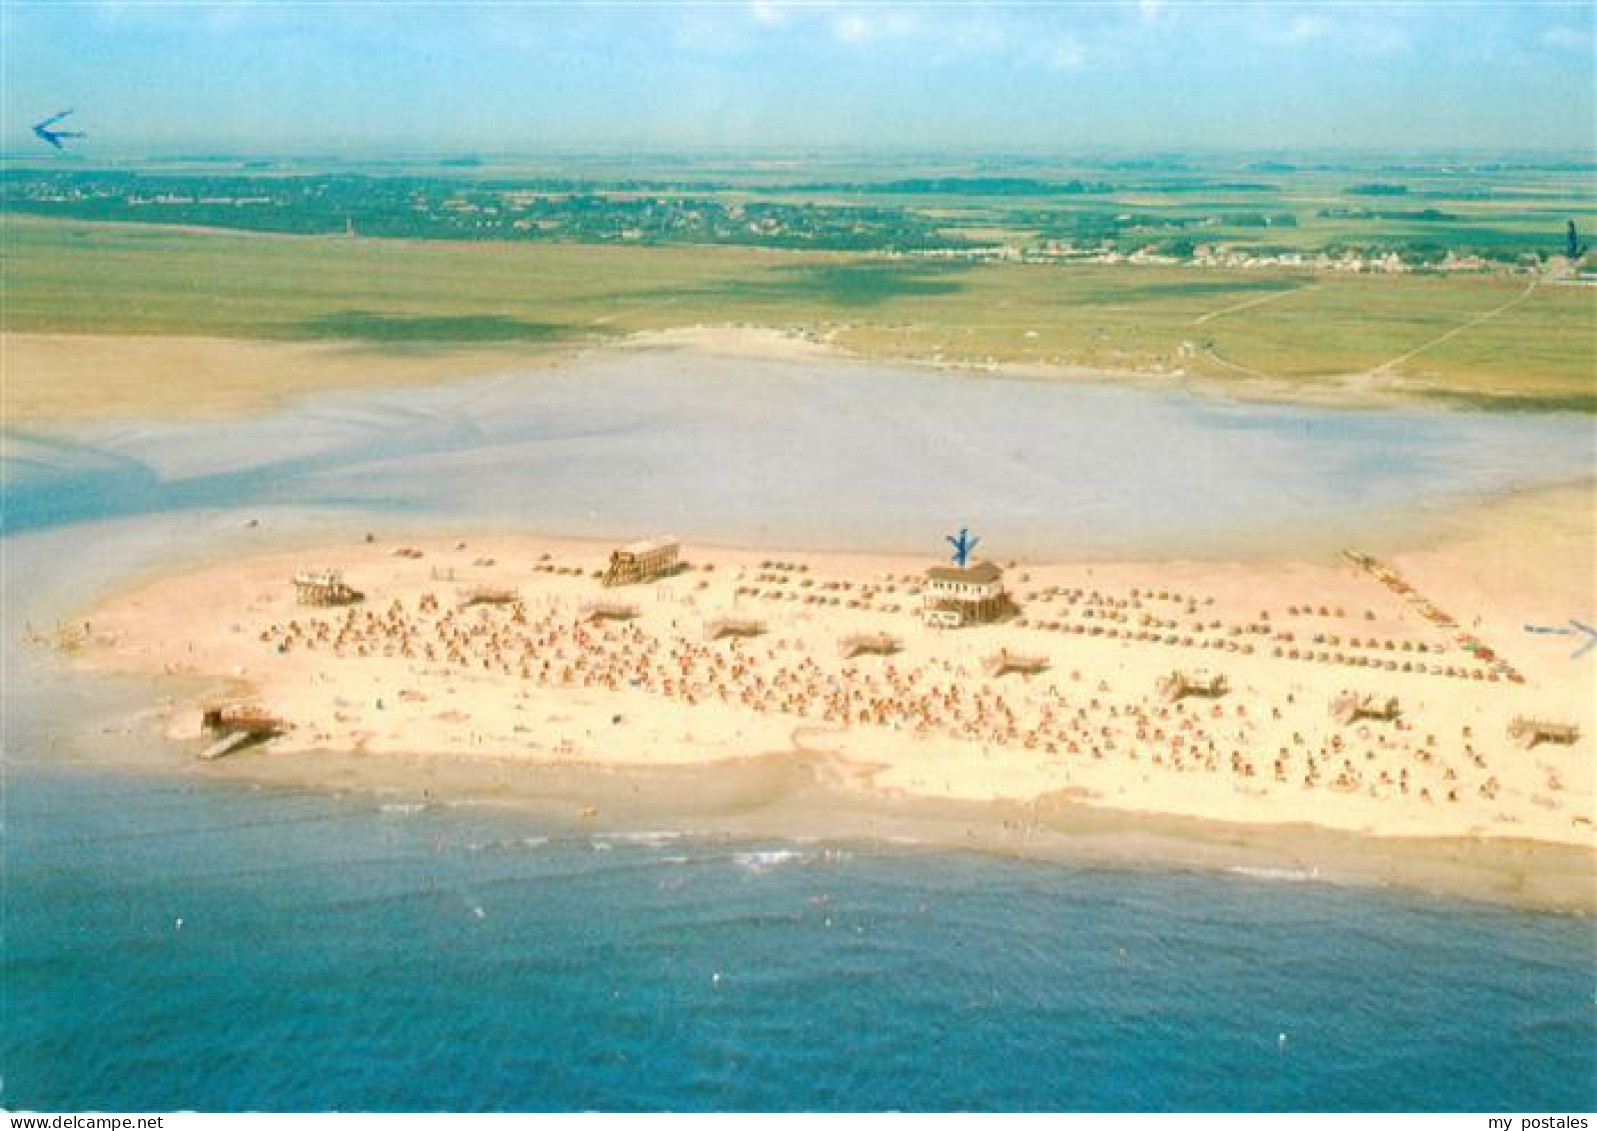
x,y
944,30
858,27
852,28
1566,39
768,13
703,29
1381,41
1067,55
1305,29
1155,12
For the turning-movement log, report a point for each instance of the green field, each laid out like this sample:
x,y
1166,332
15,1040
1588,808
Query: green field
x,y
1302,331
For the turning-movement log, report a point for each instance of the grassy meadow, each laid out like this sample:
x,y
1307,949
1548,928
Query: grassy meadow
x,y
1477,338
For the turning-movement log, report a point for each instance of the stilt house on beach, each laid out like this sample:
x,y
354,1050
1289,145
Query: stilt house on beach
x,y
956,596
643,561
324,587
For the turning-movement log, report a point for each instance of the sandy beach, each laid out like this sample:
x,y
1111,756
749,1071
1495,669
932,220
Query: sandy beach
x,y
508,650
55,379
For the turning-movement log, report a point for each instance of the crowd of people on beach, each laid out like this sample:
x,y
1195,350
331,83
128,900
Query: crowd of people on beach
x,y
1054,714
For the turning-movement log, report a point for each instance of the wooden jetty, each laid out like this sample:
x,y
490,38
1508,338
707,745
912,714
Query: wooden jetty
x,y
234,727
733,626
1179,684
609,610
488,595
1351,707
869,644
1532,732
1004,662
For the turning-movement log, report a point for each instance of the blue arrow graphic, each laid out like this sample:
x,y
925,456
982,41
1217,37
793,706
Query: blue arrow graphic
x,y
1576,627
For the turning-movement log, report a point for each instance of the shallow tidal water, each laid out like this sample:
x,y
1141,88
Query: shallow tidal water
x,y
813,456
173,942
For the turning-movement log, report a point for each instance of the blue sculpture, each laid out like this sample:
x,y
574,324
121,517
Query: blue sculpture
x,y
963,544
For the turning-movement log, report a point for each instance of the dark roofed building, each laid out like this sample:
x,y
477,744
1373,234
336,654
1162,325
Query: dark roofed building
x,y
982,573
956,596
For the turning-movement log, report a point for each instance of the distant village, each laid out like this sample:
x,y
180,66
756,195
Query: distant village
x,y
1236,257
948,220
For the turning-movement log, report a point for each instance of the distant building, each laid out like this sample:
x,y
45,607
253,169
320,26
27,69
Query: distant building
x,y
643,561
324,587
956,596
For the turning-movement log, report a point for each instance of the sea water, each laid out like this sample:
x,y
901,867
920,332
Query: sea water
x,y
173,942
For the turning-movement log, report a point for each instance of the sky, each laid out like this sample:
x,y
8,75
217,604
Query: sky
x,y
527,77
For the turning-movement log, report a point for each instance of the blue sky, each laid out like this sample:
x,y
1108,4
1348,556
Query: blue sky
x,y
525,77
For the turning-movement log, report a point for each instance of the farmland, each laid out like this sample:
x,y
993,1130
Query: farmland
x,y
1281,280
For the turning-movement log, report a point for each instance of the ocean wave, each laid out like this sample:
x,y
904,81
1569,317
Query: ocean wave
x,y
1281,875
402,808
648,838
764,860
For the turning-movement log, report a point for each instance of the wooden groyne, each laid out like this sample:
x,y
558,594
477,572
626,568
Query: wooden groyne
x,y
234,728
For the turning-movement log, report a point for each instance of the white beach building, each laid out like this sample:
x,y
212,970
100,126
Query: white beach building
x,y
956,596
